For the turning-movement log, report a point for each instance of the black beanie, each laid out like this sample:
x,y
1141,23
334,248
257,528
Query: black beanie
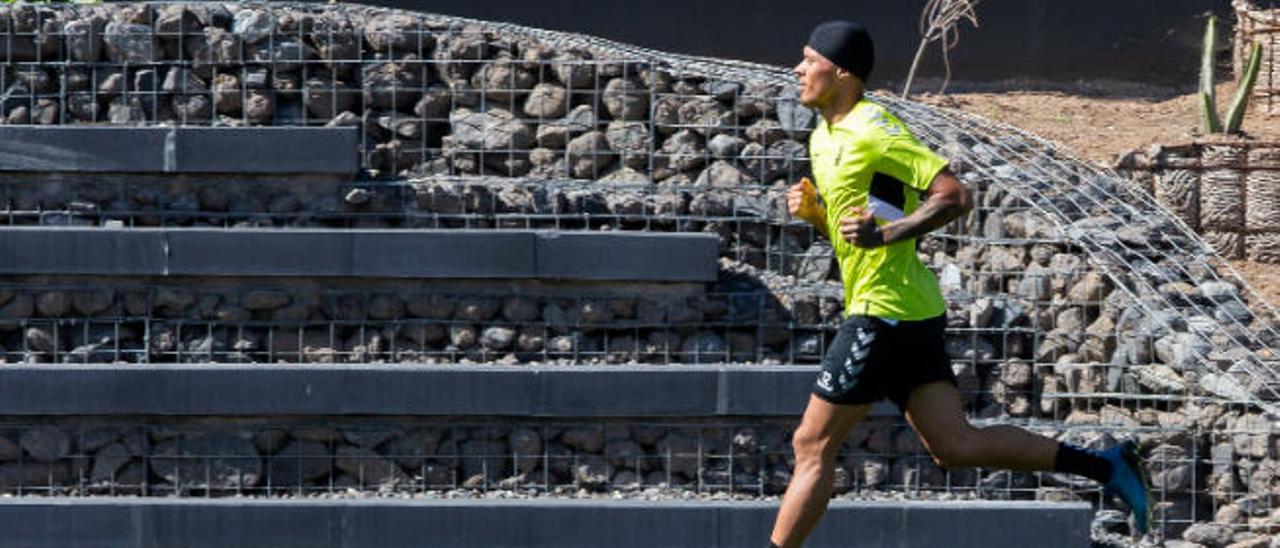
x,y
847,44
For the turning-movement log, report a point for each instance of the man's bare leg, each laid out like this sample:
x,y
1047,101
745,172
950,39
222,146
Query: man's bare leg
x,y
816,441
937,414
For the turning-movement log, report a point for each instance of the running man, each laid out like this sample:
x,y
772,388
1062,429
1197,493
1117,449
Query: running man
x,y
877,190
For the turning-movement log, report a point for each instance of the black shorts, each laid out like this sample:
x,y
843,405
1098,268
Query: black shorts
x,y
870,360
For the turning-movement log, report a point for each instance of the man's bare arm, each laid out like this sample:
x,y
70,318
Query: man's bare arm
x,y
945,201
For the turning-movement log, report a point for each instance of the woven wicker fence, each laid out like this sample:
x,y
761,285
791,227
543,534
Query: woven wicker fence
x,y
1259,21
1228,191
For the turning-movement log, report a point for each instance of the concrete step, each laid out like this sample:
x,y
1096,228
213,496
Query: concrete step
x,y
375,253
140,522
407,389
186,150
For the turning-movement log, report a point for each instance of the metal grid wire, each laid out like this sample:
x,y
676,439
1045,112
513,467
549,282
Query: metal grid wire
x,y
1200,427
1092,205
452,458
751,316
1062,188
404,80
167,324
414,457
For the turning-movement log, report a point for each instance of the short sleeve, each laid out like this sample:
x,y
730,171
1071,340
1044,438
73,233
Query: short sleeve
x,y
909,161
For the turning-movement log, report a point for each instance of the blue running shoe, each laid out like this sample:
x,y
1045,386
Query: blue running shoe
x,y
1129,482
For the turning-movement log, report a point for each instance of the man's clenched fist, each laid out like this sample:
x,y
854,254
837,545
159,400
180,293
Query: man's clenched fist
x,y
860,229
802,202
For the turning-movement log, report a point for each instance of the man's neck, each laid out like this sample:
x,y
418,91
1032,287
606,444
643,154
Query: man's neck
x,y
840,106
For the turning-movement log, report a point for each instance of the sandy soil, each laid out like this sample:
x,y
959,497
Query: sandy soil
x,y
1101,120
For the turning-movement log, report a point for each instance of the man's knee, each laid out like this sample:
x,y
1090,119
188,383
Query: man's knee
x,y
811,444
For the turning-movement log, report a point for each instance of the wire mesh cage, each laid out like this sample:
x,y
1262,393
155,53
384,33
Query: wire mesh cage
x,y
433,95
433,457
1258,21
651,460
1078,306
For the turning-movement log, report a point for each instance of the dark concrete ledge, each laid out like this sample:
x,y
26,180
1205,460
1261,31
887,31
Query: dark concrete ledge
x,y
63,251
106,149
618,256
448,390
641,257
363,253
112,522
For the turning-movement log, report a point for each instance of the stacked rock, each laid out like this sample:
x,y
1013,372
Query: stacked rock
x,y
1077,306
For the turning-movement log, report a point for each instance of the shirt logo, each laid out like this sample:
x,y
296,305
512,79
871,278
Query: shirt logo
x,y
824,381
881,120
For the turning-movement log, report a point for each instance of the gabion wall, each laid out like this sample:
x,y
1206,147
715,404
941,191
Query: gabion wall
x,y
1075,308
1223,495
1227,191
432,95
1259,21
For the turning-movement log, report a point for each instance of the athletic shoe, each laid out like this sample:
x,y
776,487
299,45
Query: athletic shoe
x,y
1129,482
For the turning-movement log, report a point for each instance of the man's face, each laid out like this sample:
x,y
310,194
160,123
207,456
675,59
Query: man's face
x,y
818,78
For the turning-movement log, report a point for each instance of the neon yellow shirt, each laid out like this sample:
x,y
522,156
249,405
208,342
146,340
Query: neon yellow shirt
x,y
869,159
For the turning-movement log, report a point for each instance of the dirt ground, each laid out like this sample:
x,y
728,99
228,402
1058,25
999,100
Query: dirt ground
x,y
1100,120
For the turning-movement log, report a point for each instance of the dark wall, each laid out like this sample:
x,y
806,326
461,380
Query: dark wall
x,y
1149,41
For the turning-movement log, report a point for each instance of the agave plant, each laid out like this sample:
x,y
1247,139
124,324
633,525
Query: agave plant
x,y
1208,99
1244,87
1244,90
